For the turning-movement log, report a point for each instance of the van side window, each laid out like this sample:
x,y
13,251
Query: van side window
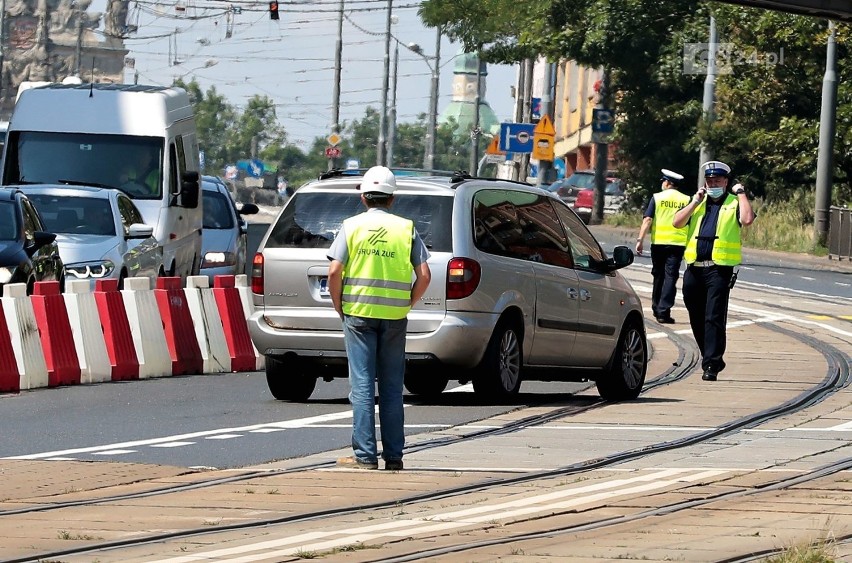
x,y
174,186
584,248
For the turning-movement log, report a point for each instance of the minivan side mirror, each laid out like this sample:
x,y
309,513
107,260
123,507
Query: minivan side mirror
x,y
189,190
248,209
622,257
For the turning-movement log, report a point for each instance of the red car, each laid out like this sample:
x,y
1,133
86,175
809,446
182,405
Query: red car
x,y
613,200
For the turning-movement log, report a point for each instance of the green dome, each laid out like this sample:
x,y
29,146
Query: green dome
x,y
462,114
466,64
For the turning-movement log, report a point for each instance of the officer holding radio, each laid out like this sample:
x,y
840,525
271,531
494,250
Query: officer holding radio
x,y
714,219
667,244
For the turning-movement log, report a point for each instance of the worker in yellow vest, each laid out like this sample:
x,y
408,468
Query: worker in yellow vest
x,y
667,244
714,246
373,259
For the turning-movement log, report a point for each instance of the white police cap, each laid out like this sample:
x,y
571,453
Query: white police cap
x,y
669,176
715,168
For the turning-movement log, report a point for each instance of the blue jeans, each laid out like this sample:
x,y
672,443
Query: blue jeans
x,y
375,349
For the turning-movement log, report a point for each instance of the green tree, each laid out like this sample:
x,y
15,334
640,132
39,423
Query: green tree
x,y
214,116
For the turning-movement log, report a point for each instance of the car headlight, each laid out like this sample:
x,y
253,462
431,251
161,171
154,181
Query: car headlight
x,y
87,270
219,259
6,274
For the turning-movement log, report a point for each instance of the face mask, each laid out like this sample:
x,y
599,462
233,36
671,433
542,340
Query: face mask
x,y
715,192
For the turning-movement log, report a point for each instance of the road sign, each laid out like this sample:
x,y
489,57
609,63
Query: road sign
x,y
535,109
543,139
494,146
332,152
602,120
255,168
516,137
334,139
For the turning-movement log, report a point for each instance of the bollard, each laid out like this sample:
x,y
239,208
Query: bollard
x,y
119,341
177,324
60,354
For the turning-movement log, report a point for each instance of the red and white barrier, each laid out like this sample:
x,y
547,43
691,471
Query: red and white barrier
x,y
87,332
146,327
208,325
57,341
242,285
26,342
177,323
10,377
117,336
230,307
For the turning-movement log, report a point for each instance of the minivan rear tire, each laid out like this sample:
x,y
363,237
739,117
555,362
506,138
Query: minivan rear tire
x,y
626,374
287,379
425,381
499,373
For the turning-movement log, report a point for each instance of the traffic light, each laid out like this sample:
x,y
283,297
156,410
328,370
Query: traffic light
x,y
273,10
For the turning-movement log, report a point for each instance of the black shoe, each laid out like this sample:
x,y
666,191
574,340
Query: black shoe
x,y
665,320
393,465
709,375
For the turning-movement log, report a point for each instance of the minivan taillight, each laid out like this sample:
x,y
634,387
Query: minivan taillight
x,y
463,275
257,274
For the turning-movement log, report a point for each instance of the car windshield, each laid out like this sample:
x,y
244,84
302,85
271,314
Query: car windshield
x,y
312,220
613,187
582,180
75,215
218,212
8,221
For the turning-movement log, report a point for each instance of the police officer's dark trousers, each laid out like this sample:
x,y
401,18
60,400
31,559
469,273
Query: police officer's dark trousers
x,y
705,293
665,268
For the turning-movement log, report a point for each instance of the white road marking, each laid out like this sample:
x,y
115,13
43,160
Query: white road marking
x,y
172,444
224,437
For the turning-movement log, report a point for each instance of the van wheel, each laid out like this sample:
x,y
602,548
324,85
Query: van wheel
x,y
287,380
626,374
424,381
499,372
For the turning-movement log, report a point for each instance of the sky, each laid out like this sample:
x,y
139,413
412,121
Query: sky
x,y
292,60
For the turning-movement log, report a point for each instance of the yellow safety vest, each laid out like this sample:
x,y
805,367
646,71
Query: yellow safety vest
x,y
666,205
727,248
377,277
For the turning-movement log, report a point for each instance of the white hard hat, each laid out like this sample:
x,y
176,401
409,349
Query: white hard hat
x,y
378,179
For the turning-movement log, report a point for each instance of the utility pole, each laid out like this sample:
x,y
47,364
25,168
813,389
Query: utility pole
x,y
526,114
709,96
474,131
392,119
601,156
825,154
78,52
2,52
381,148
432,129
545,166
338,56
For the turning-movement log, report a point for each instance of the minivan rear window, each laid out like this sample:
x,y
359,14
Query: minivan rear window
x,y
312,220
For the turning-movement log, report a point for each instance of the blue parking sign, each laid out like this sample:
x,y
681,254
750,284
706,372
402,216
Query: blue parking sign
x,y
516,137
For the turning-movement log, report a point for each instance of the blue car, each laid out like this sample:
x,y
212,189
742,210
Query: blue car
x,y
223,238
28,253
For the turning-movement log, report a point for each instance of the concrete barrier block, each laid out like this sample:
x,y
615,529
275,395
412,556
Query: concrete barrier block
x,y
87,332
26,342
146,327
10,377
234,324
177,324
117,336
208,325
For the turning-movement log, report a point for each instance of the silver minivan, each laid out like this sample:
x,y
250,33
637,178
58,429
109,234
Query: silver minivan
x,y
520,290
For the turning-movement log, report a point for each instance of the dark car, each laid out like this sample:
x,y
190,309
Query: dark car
x,y
223,240
27,252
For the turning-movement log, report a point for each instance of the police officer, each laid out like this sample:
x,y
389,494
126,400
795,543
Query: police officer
x,y
715,217
373,258
667,244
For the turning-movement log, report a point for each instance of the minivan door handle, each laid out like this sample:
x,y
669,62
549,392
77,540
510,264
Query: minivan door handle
x,y
572,293
585,295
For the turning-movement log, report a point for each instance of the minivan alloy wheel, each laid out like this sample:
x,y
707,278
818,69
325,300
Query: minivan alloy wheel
x,y
499,373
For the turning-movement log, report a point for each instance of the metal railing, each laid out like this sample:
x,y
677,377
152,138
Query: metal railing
x,y
840,233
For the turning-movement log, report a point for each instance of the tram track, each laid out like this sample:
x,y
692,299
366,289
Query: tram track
x,y
836,378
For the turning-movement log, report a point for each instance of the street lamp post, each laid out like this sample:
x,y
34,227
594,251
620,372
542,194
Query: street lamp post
x,y
434,68
381,146
392,117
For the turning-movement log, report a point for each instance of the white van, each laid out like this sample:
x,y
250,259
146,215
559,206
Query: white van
x,y
99,135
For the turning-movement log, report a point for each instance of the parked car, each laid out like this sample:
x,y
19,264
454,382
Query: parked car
x,y
28,253
614,199
520,290
223,238
100,232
